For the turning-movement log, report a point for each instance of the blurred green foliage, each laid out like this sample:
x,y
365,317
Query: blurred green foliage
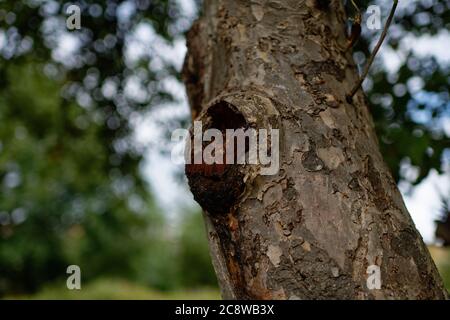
x,y
56,193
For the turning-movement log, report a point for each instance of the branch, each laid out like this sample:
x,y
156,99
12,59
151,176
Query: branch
x,y
374,53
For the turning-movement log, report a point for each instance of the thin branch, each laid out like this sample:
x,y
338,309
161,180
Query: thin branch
x,y
374,53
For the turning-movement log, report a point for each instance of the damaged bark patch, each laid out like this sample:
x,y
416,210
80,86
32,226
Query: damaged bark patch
x,y
216,193
225,116
216,187
231,247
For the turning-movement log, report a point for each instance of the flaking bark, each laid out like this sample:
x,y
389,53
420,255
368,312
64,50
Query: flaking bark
x,y
333,209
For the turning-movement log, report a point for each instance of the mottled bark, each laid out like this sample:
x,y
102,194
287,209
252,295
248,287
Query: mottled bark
x,y
311,231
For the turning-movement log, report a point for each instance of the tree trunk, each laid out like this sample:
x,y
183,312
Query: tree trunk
x,y
316,228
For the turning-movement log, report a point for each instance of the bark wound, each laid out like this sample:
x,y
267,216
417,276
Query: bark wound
x,y
216,187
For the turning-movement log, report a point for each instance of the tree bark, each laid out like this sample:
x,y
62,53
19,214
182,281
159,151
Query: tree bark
x,y
312,230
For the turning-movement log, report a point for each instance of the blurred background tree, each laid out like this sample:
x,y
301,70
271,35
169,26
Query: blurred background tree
x,y
72,188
